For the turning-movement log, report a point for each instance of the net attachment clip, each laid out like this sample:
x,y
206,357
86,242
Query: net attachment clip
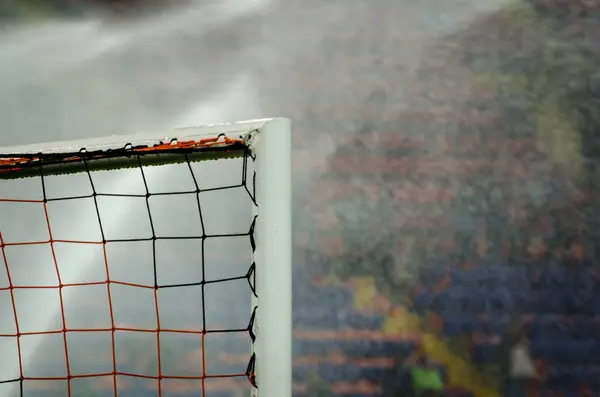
x,y
251,141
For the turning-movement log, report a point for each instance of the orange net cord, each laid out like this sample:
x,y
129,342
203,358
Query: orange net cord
x,y
12,163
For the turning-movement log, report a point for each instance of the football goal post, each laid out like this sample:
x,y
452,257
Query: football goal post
x,y
148,265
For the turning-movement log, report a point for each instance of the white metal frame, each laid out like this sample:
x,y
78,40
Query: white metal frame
x,y
274,259
272,146
231,130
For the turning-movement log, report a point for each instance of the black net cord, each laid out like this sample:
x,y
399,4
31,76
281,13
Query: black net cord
x,y
249,277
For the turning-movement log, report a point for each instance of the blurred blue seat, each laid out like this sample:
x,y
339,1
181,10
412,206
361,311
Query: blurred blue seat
x,y
422,302
593,308
475,303
363,321
551,277
562,351
362,348
498,272
434,274
543,348
336,296
583,351
318,317
373,374
452,326
495,324
398,348
457,289
523,301
589,348
376,348
551,301
592,377
300,372
499,302
339,373
486,352
465,277
563,378
585,327
480,302
544,326
445,302
312,347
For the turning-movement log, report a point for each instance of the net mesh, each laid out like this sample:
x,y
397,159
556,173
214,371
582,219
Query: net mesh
x,y
136,281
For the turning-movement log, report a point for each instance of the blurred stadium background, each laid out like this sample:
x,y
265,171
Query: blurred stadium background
x,y
445,159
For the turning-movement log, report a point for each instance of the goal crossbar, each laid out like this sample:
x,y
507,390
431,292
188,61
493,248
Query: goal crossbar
x,y
217,141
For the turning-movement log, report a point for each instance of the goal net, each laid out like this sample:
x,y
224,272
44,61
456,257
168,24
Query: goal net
x,y
144,266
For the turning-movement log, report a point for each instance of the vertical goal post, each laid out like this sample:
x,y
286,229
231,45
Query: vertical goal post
x,y
268,143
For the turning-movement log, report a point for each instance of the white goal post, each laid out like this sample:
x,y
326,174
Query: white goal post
x,y
268,142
